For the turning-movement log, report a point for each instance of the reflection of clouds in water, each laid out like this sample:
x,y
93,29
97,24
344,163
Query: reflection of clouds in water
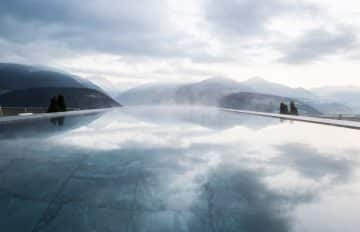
x,y
202,187
199,190
181,126
154,126
174,183
44,127
150,136
224,196
121,132
238,201
332,140
207,117
303,169
313,164
182,176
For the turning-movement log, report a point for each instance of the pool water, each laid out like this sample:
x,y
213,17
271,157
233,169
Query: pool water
x,y
177,169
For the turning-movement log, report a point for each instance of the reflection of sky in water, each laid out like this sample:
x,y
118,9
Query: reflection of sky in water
x,y
178,169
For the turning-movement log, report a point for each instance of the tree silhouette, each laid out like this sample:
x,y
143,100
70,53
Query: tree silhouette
x,y
281,107
61,103
57,104
293,109
53,105
284,108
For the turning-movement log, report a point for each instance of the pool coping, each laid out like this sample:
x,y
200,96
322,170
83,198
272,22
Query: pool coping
x,y
17,118
308,119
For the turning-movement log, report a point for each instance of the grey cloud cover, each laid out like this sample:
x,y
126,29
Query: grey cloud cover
x,y
34,29
250,17
317,44
241,17
115,27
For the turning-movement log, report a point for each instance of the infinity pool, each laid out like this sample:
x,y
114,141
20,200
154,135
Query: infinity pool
x,y
177,169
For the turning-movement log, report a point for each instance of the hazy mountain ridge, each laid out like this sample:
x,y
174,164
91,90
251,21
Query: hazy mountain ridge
x,y
207,92
329,107
347,95
81,98
210,92
30,86
16,76
23,85
260,85
155,94
262,102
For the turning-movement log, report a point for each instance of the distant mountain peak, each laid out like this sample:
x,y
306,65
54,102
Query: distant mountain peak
x,y
219,80
256,79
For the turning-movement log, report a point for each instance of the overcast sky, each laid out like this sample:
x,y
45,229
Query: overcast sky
x,y
122,43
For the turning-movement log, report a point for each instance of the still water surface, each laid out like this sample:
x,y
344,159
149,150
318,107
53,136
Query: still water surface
x,y
178,169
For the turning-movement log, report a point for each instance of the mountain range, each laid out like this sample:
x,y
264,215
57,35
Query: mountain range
x,y
30,86
347,95
263,103
223,92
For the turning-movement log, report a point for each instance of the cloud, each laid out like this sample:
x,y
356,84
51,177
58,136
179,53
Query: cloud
x,y
249,17
238,38
112,27
318,44
242,17
301,32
